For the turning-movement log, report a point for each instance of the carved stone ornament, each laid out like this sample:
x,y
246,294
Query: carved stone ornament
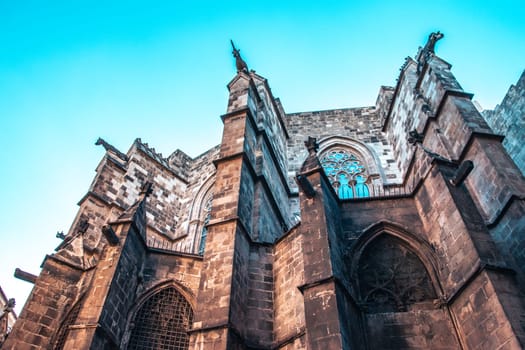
x,y
392,277
428,51
239,62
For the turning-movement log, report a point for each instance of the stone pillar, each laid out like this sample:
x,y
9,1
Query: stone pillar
x,y
319,291
102,318
223,290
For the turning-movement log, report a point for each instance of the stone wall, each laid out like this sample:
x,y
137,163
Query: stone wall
x,y
359,124
259,306
177,182
288,270
54,295
421,329
433,265
508,118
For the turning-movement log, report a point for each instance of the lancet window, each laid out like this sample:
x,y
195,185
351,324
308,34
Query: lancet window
x,y
347,174
204,232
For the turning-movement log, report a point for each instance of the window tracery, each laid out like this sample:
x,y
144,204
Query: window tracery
x,y
346,173
391,277
162,322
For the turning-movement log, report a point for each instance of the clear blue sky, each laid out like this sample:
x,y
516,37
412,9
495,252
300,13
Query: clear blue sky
x,y
71,71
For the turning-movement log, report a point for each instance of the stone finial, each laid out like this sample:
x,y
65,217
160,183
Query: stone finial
x,y
311,145
311,162
428,51
239,62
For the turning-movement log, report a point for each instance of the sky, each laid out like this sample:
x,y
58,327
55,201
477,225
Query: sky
x,y
73,71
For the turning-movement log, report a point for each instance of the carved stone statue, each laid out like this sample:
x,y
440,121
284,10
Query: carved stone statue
x,y
431,42
239,62
428,51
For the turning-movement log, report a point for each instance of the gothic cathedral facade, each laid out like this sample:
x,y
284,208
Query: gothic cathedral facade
x,y
394,226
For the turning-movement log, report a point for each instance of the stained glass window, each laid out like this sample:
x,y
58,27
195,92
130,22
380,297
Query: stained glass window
x,y
346,173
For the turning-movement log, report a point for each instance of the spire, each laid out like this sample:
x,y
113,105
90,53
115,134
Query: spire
x,y
239,62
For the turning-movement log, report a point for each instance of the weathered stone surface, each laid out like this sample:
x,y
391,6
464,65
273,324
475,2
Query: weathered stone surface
x,y
508,118
267,253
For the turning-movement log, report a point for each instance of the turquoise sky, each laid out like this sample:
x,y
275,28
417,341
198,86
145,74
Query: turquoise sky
x,y
71,71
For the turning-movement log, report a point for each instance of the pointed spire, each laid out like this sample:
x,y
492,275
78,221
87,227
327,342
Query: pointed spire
x,y
239,62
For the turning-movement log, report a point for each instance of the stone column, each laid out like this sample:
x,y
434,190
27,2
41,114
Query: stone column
x,y
319,291
219,315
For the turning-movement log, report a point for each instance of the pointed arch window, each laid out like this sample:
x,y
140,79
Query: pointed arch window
x,y
64,329
391,276
162,322
204,231
346,173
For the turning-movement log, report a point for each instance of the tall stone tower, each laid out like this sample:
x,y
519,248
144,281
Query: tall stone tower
x,y
394,226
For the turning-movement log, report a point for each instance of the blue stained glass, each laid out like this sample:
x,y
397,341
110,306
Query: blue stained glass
x,y
361,190
345,191
346,174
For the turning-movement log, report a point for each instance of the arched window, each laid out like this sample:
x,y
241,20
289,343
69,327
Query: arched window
x,y
162,322
207,217
346,173
391,277
64,328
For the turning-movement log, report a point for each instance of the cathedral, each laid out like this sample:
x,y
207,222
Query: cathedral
x,y
394,226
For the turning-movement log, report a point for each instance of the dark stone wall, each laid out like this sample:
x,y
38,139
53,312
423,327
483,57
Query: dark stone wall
x,y
259,305
481,318
240,281
122,291
423,325
350,319
508,236
508,118
421,329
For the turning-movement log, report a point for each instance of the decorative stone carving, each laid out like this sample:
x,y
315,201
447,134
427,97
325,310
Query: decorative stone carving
x,y
239,62
428,51
391,277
